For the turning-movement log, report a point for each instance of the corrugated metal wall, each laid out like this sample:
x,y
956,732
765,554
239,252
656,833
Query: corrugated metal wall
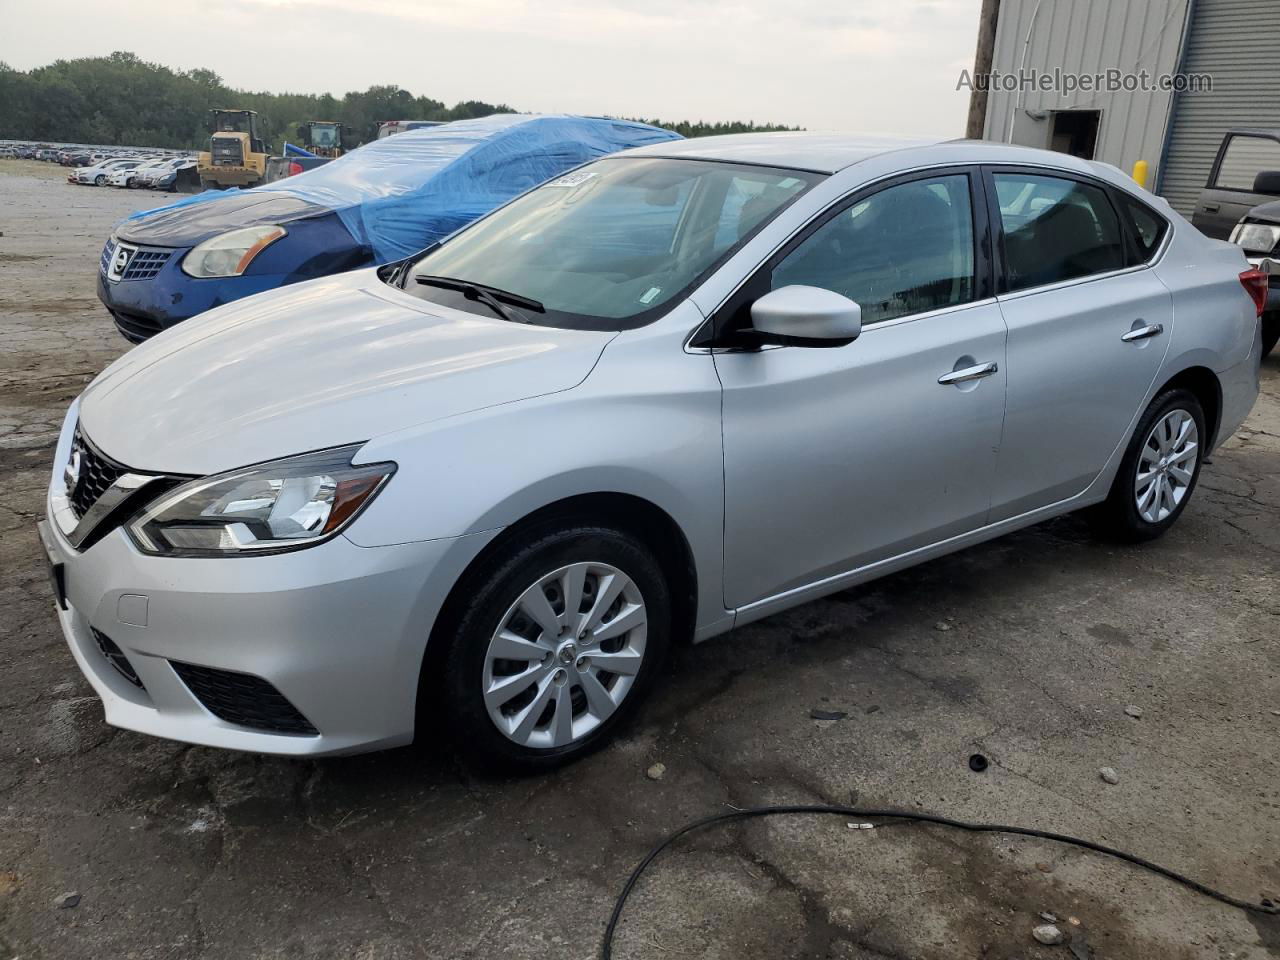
x,y
1089,36
1237,42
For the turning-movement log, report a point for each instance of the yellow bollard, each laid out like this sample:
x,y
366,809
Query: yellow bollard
x,y
1140,173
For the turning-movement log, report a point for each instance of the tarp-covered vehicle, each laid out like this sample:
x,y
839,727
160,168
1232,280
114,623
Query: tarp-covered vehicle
x,y
383,202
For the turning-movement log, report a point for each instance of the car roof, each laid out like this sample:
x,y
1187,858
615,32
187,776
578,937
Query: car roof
x,y
833,152
819,152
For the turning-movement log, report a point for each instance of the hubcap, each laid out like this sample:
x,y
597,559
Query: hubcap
x,y
1166,465
565,655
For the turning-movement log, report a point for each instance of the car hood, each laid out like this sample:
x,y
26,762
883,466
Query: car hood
x,y
192,221
1266,211
313,365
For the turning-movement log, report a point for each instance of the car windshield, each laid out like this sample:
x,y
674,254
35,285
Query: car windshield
x,y
607,246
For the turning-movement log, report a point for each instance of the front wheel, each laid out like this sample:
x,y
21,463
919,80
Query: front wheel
x,y
99,180
1159,471
555,647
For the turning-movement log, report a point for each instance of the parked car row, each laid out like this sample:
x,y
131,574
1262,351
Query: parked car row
x,y
78,156
157,173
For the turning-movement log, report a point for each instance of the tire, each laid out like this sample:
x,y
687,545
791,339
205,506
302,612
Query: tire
x,y
556,684
1270,331
1120,516
99,180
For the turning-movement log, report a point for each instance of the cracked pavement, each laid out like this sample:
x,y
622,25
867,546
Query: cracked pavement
x,y
187,852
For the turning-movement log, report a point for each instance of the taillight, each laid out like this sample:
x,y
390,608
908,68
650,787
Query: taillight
x,y
1255,283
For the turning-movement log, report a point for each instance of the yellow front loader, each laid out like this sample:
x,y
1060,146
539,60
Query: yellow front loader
x,y
236,156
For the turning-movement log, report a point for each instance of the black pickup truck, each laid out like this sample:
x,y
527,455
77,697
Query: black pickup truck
x,y
1241,203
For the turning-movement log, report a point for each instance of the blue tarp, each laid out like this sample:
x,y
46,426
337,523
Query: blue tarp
x,y
402,193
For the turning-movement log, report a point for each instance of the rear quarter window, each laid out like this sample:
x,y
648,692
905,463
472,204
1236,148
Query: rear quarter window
x,y
1147,226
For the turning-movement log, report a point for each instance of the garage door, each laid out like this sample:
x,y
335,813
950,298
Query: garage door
x,y
1237,42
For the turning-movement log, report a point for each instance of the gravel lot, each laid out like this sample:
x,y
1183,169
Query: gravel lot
x,y
1028,650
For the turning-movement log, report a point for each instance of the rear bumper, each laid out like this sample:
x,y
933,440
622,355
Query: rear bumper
x,y
1241,385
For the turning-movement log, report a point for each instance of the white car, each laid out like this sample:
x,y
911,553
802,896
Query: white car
x,y
98,173
133,176
481,491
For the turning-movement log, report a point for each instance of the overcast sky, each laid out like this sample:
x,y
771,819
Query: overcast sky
x,y
881,66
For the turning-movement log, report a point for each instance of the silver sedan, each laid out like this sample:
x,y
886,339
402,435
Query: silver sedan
x,y
667,394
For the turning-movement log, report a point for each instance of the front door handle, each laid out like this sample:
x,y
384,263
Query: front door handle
x,y
1141,333
969,373
1211,208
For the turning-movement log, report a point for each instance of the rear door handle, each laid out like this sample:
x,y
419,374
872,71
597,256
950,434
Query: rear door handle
x,y
1141,333
1211,208
969,373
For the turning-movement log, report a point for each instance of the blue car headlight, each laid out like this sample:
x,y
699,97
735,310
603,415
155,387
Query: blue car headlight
x,y
229,254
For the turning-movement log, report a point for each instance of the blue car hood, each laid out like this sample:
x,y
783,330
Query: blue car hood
x,y
186,224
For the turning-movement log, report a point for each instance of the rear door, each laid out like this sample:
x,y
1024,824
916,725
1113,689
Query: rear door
x,y
1089,324
1229,194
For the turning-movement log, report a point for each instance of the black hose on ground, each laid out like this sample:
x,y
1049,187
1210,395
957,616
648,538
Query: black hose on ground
x,y
606,946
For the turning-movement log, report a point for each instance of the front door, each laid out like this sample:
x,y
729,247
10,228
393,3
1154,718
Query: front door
x,y
839,457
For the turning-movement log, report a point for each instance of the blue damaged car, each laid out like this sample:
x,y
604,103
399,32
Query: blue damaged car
x,y
380,203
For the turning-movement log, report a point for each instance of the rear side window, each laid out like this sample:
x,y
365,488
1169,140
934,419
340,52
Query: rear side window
x,y
1056,229
907,249
1245,158
1148,227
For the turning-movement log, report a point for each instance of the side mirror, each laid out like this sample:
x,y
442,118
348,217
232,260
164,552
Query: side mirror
x,y
1268,182
806,317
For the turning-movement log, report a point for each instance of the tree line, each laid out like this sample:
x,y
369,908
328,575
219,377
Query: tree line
x,y
124,100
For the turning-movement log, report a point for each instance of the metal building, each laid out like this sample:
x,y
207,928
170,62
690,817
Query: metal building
x,y
1234,42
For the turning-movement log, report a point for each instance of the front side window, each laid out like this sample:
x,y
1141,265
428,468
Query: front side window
x,y
1245,158
1056,229
608,246
906,249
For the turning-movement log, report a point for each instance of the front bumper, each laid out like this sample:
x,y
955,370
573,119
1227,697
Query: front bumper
x,y
143,307
337,630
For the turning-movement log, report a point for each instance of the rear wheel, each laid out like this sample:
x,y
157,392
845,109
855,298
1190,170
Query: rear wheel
x,y
1159,471
1270,331
555,647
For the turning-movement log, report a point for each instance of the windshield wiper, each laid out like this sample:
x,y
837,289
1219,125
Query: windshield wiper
x,y
491,297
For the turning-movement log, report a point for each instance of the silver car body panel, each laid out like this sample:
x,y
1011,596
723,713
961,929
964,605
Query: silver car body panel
x,y
791,472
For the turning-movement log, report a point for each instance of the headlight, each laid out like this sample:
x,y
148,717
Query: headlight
x,y
229,254
1256,237
282,505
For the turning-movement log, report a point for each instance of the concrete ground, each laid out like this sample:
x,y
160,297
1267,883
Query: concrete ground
x,y
1027,650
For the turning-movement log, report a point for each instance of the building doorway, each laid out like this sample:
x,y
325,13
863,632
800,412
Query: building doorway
x,y
1075,132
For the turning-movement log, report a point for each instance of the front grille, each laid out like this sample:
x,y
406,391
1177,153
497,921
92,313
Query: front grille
x,y
135,327
243,699
97,473
115,656
145,264
108,251
227,152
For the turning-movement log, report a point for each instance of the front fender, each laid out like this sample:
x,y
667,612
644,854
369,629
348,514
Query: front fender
x,y
646,423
